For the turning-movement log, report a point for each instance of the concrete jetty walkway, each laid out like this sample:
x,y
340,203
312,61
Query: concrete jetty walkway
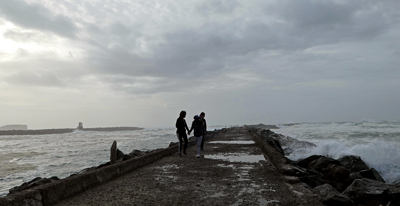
x,y
231,171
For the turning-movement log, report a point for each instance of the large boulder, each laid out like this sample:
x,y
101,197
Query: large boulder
x,y
306,161
340,173
266,134
136,153
372,174
323,164
33,183
313,180
368,192
120,154
331,197
353,163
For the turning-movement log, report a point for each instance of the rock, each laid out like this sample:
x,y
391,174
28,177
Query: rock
x,y
371,174
340,186
173,144
113,155
323,164
305,162
331,197
120,154
395,195
135,153
340,173
353,163
289,143
271,141
356,175
313,180
33,183
368,192
299,171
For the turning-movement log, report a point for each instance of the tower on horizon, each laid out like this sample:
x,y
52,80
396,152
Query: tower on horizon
x,y
80,126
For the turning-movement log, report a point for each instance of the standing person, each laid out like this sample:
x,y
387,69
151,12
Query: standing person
x,y
198,127
181,128
202,115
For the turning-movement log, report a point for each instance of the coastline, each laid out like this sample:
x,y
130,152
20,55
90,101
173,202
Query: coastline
x,y
66,130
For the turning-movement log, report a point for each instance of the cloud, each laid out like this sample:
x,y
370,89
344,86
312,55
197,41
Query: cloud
x,y
26,36
240,60
35,16
28,78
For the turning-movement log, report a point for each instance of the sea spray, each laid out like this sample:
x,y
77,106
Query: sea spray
x,y
378,153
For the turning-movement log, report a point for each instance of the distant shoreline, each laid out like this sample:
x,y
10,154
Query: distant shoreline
x,y
66,130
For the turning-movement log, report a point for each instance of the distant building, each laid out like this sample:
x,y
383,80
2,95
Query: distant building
x,y
80,126
14,127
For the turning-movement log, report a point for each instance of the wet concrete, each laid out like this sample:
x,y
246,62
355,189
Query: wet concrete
x,y
231,171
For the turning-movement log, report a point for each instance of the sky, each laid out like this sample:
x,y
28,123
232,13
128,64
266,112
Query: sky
x,y
140,62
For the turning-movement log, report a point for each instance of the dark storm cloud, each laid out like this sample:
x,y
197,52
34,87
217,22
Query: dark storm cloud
x,y
271,38
330,22
286,27
35,16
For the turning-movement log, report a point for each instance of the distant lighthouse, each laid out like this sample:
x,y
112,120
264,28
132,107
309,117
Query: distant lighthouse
x,y
80,126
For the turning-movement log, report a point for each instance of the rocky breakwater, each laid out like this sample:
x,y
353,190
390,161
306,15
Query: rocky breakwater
x,y
344,181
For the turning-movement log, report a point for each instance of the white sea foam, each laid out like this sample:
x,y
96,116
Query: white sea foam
x,y
379,154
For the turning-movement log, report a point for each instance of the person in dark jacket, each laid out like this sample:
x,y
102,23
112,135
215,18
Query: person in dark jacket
x,y
202,115
198,127
181,128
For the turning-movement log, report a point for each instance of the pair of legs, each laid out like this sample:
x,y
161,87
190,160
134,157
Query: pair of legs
x,y
182,137
202,143
198,141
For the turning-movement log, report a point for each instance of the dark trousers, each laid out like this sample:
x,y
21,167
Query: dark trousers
x,y
182,137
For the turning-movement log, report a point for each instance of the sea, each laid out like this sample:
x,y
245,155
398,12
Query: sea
x,y
25,157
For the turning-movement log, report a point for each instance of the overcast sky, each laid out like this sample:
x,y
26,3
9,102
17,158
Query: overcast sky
x,y
140,62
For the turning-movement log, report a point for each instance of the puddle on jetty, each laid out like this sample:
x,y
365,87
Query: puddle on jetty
x,y
165,173
218,194
232,142
237,157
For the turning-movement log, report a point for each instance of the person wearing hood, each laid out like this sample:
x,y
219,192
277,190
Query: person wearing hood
x,y
198,127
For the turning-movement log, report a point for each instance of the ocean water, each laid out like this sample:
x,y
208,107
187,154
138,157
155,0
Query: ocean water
x,y
24,157
376,142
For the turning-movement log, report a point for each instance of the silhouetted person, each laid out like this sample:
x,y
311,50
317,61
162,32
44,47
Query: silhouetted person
x,y
198,127
202,115
181,128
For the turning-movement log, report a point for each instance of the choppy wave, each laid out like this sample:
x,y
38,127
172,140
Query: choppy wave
x,y
25,157
376,142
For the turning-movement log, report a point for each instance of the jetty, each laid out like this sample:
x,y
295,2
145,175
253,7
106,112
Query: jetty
x,y
237,167
232,171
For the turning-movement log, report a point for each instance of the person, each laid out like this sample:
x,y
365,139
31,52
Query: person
x,y
181,128
202,115
198,127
